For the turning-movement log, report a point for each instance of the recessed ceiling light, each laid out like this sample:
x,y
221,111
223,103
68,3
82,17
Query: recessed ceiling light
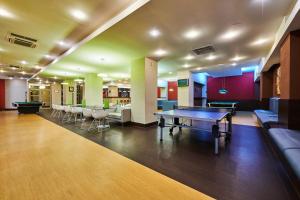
x,y
49,56
160,52
231,34
63,43
78,80
6,13
186,66
78,14
189,57
23,62
192,34
154,33
211,57
260,41
237,58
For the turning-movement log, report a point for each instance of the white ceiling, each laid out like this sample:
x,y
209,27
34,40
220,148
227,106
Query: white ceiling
x,y
129,39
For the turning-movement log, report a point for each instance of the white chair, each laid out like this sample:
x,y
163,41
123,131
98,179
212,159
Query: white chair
x,y
67,116
59,113
54,110
75,111
100,122
86,114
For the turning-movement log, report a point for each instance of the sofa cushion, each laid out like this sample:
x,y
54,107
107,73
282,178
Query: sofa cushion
x,y
266,117
285,138
293,158
115,115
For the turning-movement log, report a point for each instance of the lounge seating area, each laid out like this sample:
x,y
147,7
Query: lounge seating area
x,y
98,117
269,118
287,144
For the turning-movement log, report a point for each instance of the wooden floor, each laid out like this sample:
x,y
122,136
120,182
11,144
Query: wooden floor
x,y
41,160
245,118
245,169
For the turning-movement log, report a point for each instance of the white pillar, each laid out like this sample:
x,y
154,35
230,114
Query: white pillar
x,y
143,90
93,91
186,94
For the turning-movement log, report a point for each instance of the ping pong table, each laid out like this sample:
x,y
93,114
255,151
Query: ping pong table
x,y
180,116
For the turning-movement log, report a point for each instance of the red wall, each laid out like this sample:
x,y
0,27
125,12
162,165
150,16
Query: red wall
x,y
239,87
158,92
2,94
172,95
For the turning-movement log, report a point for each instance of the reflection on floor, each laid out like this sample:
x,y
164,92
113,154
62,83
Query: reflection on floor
x,y
40,160
245,118
245,169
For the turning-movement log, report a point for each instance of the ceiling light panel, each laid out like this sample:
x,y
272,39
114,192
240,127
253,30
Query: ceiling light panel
x,y
211,57
154,33
6,13
192,34
230,35
160,52
260,41
78,14
237,58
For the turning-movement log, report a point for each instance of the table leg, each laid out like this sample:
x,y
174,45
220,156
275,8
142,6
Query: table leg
x,y
216,134
161,125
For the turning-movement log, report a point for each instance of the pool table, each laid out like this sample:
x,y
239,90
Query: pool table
x,y
27,107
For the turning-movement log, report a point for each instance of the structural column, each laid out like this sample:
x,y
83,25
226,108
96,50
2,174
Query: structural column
x,y
266,88
186,94
289,106
143,91
93,92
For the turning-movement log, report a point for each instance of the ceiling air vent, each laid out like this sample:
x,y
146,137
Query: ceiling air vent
x,y
204,50
21,40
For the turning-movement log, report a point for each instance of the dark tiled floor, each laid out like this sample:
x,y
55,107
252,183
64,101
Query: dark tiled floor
x,y
245,169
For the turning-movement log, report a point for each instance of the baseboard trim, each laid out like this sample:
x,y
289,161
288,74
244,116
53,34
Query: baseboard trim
x,y
143,125
8,109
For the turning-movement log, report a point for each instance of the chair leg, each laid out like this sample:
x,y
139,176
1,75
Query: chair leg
x,y
82,122
91,125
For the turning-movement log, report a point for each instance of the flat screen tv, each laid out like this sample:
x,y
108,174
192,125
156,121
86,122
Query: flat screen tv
x,y
183,82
